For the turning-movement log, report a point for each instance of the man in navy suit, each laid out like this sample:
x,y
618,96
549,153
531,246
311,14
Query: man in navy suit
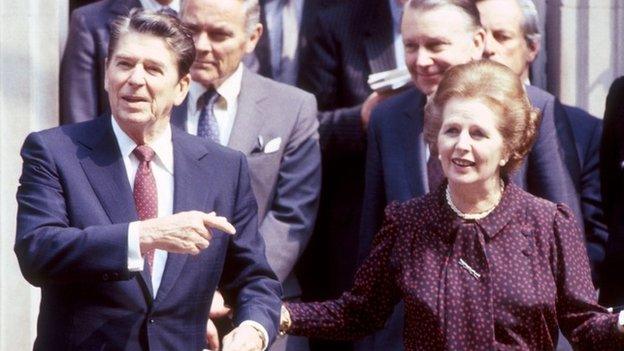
x,y
436,37
123,221
82,94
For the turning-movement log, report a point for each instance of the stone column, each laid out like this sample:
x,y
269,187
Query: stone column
x,y
30,35
585,41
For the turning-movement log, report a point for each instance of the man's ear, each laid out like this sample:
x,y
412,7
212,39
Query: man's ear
x,y
252,41
183,88
534,48
478,40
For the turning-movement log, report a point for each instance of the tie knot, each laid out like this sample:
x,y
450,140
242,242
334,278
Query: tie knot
x,y
144,153
207,98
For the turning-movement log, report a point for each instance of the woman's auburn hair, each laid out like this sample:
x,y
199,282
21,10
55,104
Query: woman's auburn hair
x,y
499,88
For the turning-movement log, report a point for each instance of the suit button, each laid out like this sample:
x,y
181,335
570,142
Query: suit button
x,y
152,321
105,277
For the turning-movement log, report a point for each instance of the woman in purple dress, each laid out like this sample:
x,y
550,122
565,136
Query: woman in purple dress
x,y
479,263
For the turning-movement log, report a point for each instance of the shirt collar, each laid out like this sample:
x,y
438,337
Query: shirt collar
x,y
162,145
228,90
153,5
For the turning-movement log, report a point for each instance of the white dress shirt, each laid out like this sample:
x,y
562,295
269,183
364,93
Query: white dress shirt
x,y
224,109
154,5
399,51
162,169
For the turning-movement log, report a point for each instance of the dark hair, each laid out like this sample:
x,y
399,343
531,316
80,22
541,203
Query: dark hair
x,y
468,7
161,25
500,89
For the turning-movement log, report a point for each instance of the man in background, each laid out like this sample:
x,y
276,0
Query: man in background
x,y
272,123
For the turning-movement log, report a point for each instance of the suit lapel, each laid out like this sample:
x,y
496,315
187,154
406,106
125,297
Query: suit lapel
x,y
106,172
248,121
188,177
179,115
378,38
414,147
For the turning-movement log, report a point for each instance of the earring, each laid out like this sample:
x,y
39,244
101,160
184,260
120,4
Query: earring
x,y
439,157
502,162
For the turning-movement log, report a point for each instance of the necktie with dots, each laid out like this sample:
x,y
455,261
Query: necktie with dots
x,y
145,194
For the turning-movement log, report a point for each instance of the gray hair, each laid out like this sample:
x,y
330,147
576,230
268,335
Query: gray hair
x,y
251,9
530,22
252,15
467,7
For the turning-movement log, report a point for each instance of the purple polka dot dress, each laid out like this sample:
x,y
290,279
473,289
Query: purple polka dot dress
x,y
504,282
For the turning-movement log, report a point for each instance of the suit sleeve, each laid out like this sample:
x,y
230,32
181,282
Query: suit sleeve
x,y
596,232
48,249
79,73
374,191
289,223
548,175
340,127
365,307
248,283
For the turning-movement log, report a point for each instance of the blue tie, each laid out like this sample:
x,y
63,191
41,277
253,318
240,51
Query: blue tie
x,y
207,126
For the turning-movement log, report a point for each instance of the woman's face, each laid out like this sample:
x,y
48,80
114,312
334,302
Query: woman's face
x,y
470,146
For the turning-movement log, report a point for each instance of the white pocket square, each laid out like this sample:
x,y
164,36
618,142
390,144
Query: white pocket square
x,y
272,145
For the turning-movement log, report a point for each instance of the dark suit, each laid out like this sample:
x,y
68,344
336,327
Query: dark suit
x,y
587,131
350,40
260,60
74,206
82,94
612,176
287,181
396,170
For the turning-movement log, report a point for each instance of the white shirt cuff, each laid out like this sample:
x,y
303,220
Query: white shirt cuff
x,y
620,322
135,260
263,333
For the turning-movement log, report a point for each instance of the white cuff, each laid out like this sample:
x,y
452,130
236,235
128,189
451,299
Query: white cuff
x,y
620,322
135,260
263,333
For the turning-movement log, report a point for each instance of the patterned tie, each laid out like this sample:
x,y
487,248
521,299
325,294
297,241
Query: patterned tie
x,y
207,126
469,319
145,194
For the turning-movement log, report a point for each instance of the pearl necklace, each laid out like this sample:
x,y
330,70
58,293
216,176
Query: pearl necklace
x,y
478,215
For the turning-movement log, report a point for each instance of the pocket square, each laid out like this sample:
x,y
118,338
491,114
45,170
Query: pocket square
x,y
272,145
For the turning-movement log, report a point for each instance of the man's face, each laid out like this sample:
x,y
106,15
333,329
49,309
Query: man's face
x,y
505,42
220,38
142,81
436,40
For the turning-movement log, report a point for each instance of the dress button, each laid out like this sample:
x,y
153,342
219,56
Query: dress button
x,y
105,277
152,321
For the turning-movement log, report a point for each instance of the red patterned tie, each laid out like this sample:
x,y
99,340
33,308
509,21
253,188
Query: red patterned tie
x,y
145,194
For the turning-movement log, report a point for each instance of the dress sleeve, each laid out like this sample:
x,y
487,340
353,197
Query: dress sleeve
x,y
370,301
586,324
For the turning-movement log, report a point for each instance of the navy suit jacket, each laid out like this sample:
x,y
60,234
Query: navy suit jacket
x,y
74,207
82,94
587,131
612,182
